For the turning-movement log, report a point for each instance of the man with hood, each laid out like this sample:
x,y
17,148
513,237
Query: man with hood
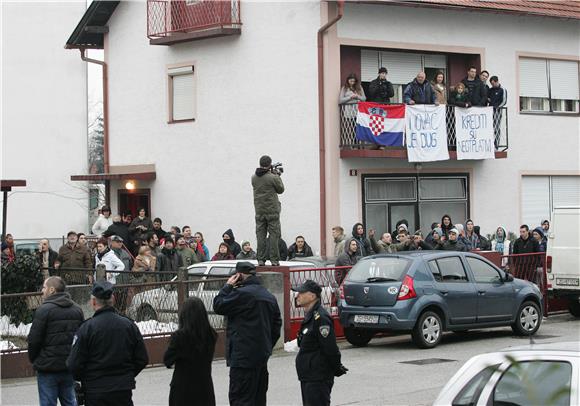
x,y
229,239
500,243
538,235
400,223
169,260
470,235
452,243
49,343
267,185
339,238
484,243
461,236
247,252
364,245
349,257
299,249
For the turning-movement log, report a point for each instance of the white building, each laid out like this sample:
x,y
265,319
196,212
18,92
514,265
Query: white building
x,y
44,124
195,101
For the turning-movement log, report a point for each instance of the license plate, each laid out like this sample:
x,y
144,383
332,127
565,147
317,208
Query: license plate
x,y
363,318
568,281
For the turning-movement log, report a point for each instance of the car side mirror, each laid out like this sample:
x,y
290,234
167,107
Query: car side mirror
x,y
509,277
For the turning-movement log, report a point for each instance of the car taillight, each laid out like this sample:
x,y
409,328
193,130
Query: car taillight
x,y
549,264
341,290
407,290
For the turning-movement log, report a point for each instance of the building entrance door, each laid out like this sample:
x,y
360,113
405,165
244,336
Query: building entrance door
x,y
131,200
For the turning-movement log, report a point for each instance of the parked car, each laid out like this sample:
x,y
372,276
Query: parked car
x,y
429,292
546,374
26,247
161,303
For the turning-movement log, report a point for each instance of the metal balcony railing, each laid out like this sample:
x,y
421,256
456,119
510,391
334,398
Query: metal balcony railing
x,y
348,123
166,17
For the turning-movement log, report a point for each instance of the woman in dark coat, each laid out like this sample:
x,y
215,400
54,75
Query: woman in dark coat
x,y
191,350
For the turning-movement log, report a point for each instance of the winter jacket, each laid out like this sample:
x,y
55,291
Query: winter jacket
x,y
346,258
118,228
127,260
235,248
446,229
160,233
381,91
364,244
107,353
168,261
191,383
188,256
52,256
294,253
267,187
459,99
476,91
75,256
419,93
102,224
527,246
452,246
382,248
222,257
137,233
497,96
246,255
111,262
339,243
144,263
282,249
440,93
350,108
253,322
51,334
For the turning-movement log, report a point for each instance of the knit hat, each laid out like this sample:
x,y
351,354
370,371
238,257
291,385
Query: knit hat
x,y
244,242
403,225
454,230
438,231
540,231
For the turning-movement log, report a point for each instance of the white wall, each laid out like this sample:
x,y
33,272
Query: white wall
x,y
44,130
256,94
536,143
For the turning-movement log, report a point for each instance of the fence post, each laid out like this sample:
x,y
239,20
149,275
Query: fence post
x,y
101,272
182,291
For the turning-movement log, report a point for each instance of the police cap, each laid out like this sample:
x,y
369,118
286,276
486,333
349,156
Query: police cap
x,y
102,290
245,267
309,286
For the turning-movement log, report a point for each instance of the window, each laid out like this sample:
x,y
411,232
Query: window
x,y
470,393
549,85
483,272
435,271
182,105
390,268
221,271
541,194
452,269
534,383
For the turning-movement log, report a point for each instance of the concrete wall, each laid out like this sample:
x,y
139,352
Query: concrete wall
x,y
256,94
44,129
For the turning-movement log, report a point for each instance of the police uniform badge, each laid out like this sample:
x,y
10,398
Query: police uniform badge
x,y
324,331
316,315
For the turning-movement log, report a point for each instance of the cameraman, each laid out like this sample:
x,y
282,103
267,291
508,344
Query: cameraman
x,y
267,186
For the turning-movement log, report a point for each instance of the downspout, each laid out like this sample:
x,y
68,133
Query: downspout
x,y
321,127
105,119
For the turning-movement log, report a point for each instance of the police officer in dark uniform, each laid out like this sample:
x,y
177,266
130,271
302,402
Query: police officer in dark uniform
x,y
253,328
318,360
107,352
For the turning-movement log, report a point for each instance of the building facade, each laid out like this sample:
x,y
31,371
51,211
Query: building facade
x,y
195,101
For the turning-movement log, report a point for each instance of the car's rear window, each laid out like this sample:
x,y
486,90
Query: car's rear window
x,y
388,267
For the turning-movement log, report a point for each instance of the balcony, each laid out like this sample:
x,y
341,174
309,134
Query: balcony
x,y
172,22
350,147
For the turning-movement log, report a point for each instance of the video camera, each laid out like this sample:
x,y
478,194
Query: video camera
x,y
277,168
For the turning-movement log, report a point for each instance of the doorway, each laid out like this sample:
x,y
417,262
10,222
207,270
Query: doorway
x,y
129,201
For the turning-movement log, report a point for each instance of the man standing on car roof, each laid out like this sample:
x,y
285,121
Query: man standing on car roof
x,y
318,360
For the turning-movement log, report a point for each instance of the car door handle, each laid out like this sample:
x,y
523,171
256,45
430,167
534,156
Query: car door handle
x,y
481,292
444,292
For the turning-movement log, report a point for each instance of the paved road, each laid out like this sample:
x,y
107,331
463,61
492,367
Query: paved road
x,y
378,373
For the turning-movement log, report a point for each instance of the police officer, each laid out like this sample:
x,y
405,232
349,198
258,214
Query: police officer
x,y
318,360
253,328
107,352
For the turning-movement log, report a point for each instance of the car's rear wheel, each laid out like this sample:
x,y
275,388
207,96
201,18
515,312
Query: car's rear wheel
x,y
574,307
358,337
428,331
146,313
528,319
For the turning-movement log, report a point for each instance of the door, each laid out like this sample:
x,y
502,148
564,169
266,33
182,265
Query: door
x,y
129,201
495,297
400,211
457,291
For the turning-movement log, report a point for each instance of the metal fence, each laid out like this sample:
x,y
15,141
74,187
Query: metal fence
x,y
348,138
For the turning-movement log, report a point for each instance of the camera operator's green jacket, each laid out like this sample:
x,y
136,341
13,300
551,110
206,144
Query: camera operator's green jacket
x,y
267,187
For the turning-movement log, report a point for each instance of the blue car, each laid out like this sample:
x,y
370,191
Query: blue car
x,y
429,292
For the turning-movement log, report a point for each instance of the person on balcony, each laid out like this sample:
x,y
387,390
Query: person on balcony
x,y
475,88
439,88
419,91
459,96
380,89
350,94
483,76
497,98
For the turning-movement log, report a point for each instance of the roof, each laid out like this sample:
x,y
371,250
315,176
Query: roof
x,y
90,31
573,346
8,184
559,9
121,172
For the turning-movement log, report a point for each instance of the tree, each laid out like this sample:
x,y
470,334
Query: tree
x,y
96,144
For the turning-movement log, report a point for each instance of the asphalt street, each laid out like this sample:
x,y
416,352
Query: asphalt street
x,y
380,374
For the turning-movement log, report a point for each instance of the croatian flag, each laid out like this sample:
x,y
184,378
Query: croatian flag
x,y
381,124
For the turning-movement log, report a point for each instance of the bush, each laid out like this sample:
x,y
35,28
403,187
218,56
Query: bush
x,y
22,275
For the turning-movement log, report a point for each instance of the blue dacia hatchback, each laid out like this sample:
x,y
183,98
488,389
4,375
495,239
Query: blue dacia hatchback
x,y
429,292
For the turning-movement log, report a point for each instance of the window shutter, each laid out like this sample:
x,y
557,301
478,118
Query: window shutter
x,y
183,96
533,78
566,191
435,61
535,199
564,80
402,67
369,65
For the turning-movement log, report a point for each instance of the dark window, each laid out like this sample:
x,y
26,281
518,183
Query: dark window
x,y
470,393
483,272
452,269
435,271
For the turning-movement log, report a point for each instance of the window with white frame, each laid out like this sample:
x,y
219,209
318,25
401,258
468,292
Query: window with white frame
x,y
549,86
541,194
182,103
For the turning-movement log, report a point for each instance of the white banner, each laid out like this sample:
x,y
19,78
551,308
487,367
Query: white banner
x,y
426,133
474,133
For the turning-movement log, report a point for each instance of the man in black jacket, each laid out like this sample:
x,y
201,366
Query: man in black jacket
x,y
46,257
300,249
475,88
452,243
107,352
318,360
49,343
253,328
169,259
380,89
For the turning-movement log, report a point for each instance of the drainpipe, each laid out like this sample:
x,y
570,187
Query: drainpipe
x,y
105,119
321,127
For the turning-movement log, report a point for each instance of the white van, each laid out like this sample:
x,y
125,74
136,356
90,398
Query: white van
x,y
563,256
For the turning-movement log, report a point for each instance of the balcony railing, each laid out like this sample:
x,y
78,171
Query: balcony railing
x,y
166,18
348,138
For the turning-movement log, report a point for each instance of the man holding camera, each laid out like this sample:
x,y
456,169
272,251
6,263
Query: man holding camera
x,y
267,185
